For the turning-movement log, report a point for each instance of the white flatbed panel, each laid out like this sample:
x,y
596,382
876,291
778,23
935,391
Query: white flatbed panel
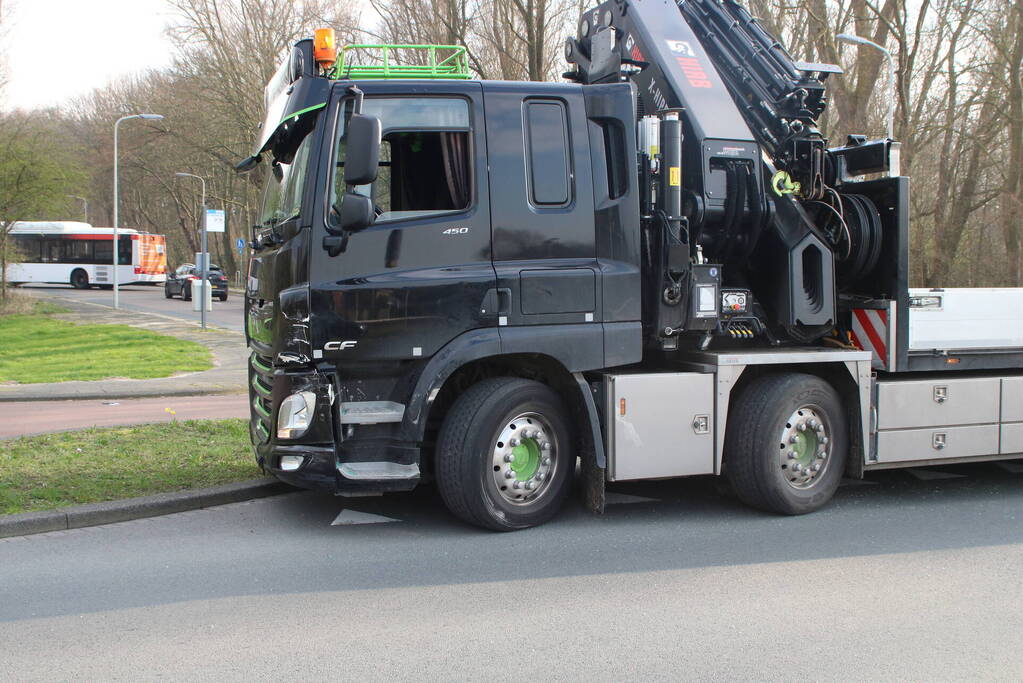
x,y
975,318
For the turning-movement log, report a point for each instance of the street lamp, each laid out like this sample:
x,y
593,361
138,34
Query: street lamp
x,y
147,117
857,40
85,205
205,253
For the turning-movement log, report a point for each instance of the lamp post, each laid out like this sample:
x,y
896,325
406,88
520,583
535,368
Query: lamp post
x,y
857,40
85,205
147,117
205,253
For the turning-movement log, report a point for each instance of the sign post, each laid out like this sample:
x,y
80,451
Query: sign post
x,y
213,221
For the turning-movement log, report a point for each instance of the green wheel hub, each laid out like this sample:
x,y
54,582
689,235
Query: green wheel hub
x,y
524,459
805,446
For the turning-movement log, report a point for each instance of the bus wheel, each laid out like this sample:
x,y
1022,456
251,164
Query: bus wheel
x,y
79,279
786,443
505,455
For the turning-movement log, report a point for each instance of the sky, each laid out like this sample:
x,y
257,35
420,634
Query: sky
x,y
59,49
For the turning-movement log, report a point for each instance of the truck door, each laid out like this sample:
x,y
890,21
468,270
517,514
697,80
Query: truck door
x,y
414,279
542,209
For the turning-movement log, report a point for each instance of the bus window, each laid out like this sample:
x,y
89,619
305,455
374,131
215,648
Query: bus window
x,y
124,250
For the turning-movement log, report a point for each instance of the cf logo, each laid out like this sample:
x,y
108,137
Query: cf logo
x,y
339,345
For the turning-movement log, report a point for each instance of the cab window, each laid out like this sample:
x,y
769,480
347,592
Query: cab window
x,y
425,166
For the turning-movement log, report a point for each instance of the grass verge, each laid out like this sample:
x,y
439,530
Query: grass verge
x,y
93,465
35,348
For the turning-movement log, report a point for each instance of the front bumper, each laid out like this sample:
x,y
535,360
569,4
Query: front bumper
x,y
339,455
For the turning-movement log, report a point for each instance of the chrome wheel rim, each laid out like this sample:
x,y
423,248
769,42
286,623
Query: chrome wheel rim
x,y
805,446
524,458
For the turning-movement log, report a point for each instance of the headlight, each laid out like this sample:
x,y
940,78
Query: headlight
x,y
294,415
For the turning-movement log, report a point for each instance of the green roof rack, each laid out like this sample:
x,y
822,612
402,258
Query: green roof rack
x,y
440,61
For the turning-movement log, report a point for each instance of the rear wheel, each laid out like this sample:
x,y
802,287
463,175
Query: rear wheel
x,y
786,443
79,279
505,455
166,292
223,297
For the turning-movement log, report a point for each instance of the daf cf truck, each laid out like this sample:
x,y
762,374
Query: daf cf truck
x,y
658,268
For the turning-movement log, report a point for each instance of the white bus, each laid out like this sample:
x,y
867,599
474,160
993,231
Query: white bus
x,y
82,256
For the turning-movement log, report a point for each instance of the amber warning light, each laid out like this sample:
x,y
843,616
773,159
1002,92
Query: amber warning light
x,y
324,47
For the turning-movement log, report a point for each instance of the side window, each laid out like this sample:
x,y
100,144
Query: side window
x,y
425,162
547,155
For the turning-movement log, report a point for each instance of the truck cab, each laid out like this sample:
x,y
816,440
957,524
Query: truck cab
x,y
504,232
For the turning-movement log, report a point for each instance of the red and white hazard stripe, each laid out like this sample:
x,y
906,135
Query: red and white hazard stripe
x,y
871,332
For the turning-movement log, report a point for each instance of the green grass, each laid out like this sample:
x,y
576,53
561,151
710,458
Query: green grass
x,y
35,348
92,465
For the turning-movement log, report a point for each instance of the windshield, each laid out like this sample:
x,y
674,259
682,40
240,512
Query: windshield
x,y
282,195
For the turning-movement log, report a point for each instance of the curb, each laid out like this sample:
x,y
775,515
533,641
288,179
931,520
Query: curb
x,y
93,514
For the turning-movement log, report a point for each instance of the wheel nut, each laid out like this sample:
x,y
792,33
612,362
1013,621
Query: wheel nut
x,y
509,458
513,442
545,446
530,485
817,467
545,461
813,423
793,439
792,455
509,475
824,440
517,485
796,468
801,426
539,476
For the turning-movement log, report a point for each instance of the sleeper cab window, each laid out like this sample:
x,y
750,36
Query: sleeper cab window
x,y
425,158
545,126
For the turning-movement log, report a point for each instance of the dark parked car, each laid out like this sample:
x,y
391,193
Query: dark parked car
x,y
180,281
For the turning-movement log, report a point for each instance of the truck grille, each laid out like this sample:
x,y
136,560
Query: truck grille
x,y
260,395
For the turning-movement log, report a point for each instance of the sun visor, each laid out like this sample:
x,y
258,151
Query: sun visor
x,y
293,90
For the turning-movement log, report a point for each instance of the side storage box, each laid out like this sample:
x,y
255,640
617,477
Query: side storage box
x,y
938,402
937,443
659,424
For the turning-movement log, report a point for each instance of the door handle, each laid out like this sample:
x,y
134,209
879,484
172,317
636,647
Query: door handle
x,y
496,302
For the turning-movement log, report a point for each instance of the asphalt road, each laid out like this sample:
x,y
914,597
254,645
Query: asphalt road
x,y
150,299
912,576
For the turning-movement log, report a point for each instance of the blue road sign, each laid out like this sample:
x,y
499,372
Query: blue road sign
x,y
240,244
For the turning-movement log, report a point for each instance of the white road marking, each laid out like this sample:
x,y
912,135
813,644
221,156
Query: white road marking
x,y
614,498
347,517
931,475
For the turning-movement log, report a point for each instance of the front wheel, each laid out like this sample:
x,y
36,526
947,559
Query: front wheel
x,y
505,455
186,293
166,292
223,297
786,443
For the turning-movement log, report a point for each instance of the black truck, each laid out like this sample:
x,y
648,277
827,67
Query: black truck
x,y
657,268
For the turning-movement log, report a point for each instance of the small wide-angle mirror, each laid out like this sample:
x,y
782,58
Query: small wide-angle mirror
x,y
355,212
362,149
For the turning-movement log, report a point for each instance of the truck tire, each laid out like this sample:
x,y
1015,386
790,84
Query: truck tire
x,y
505,456
79,279
786,443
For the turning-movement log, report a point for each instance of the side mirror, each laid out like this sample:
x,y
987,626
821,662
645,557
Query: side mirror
x,y
355,212
362,149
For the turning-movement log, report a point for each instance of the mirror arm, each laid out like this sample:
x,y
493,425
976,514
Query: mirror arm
x,y
358,94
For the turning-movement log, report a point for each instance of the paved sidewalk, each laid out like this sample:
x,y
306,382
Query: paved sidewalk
x,y
27,418
227,376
